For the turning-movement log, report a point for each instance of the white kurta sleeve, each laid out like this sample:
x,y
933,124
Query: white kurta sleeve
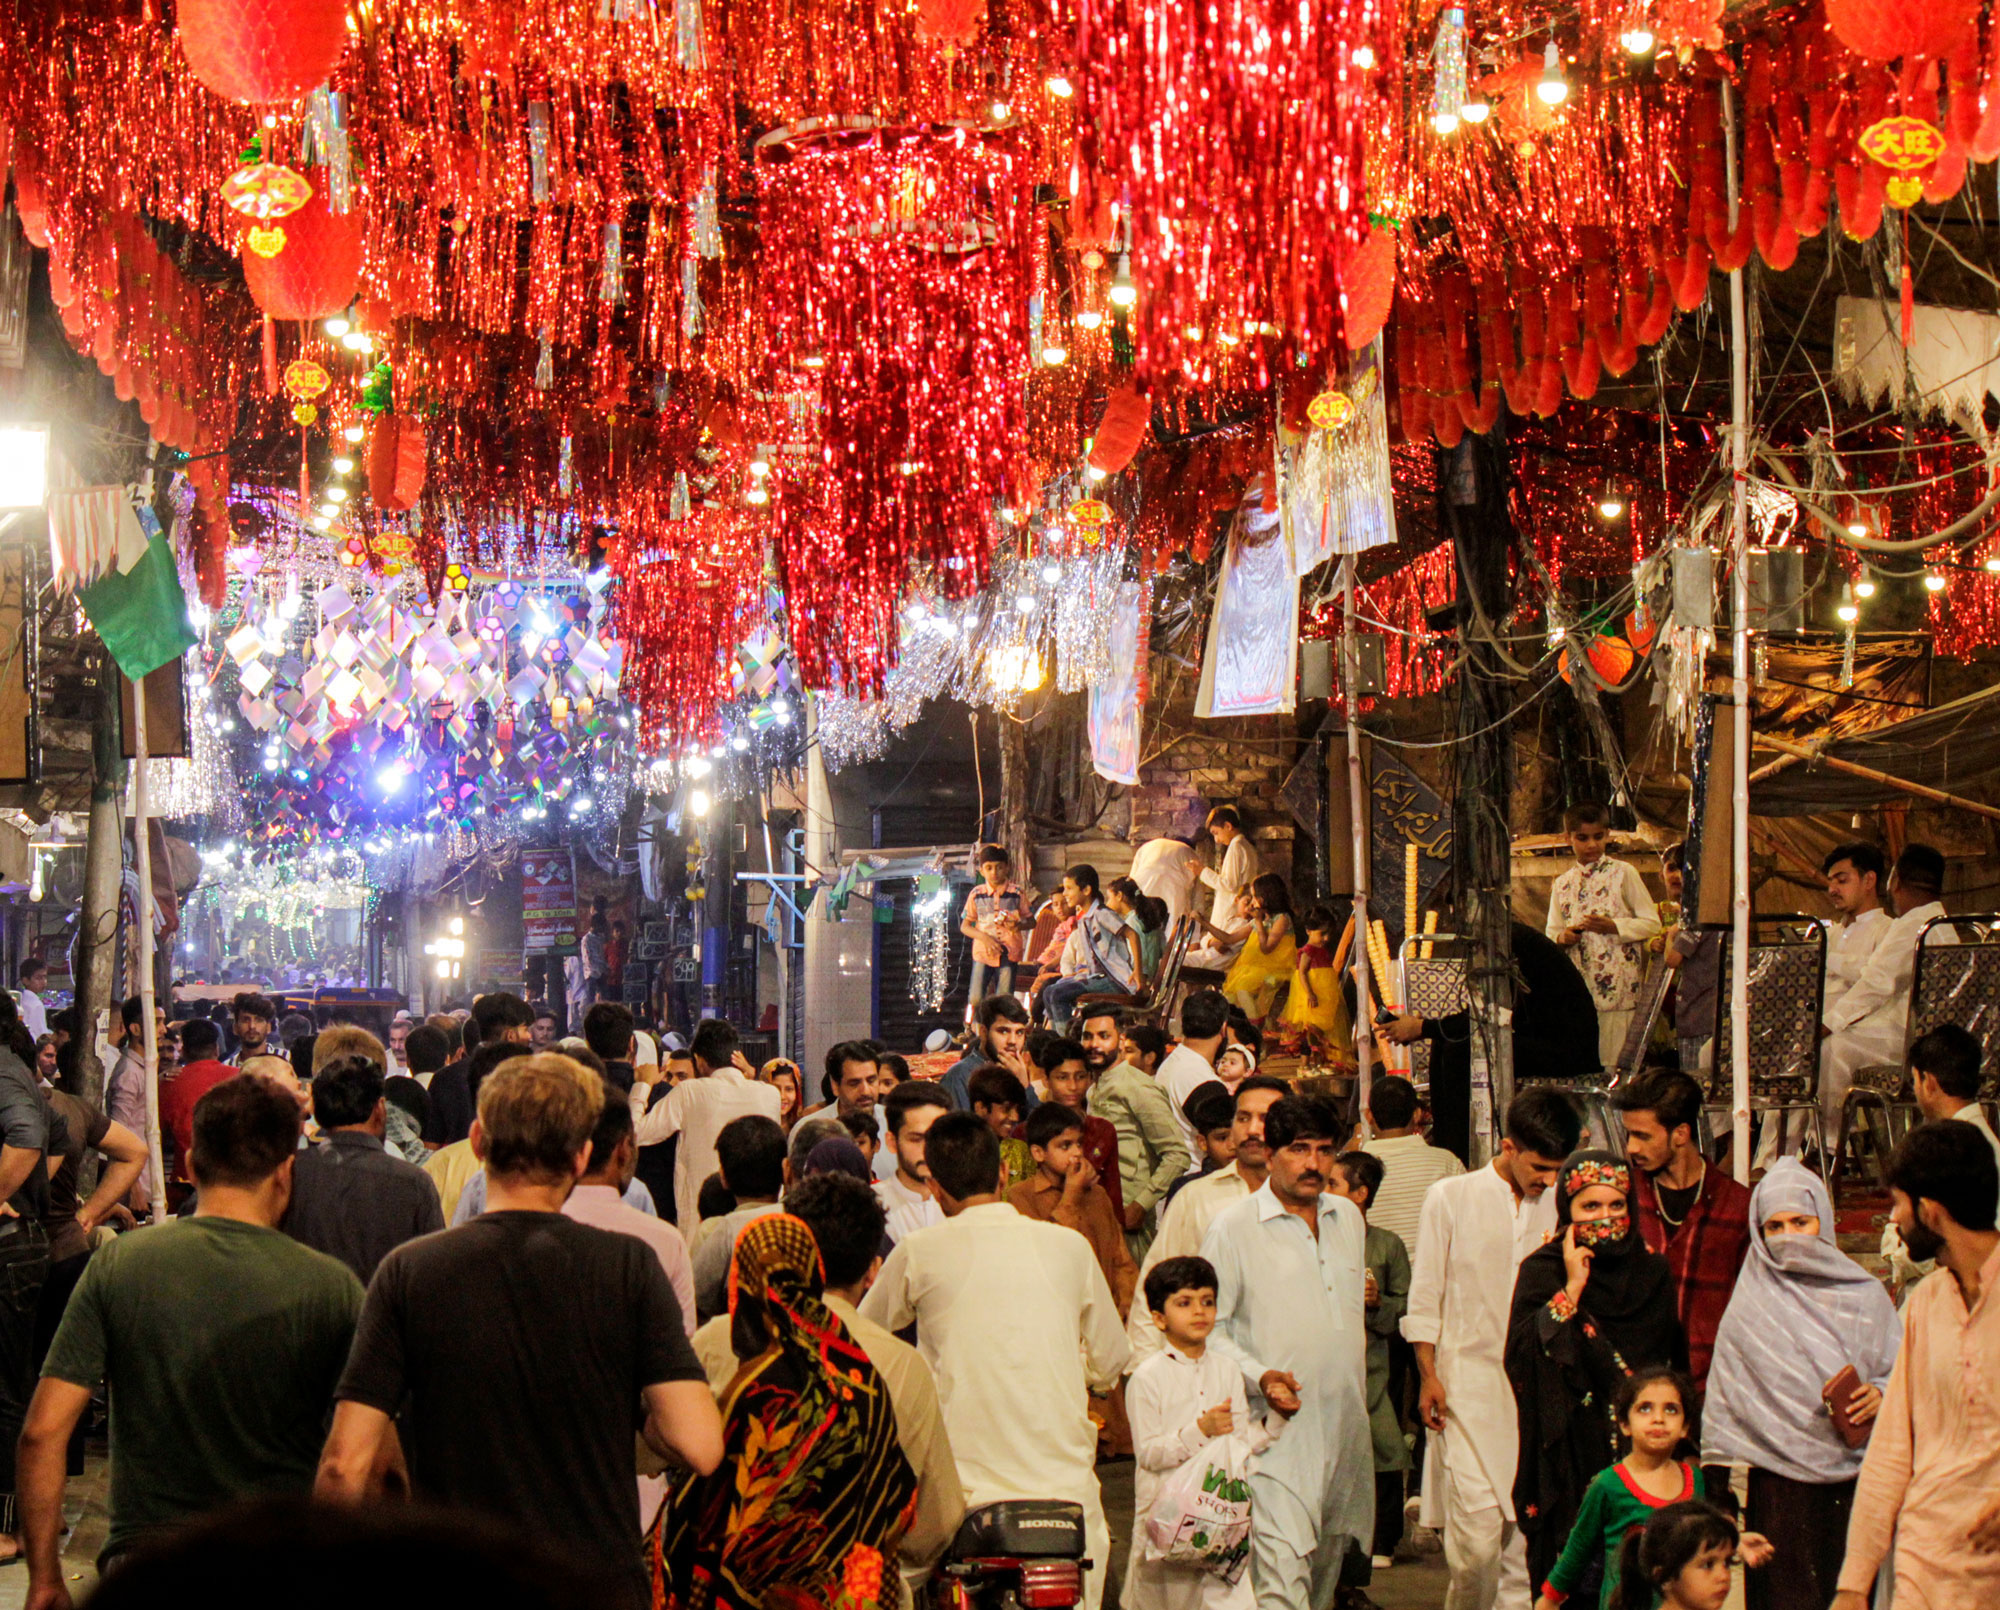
x,y
1105,1348
1423,1320
1158,1443
1885,978
652,1125
1558,918
888,1301
1640,920
1229,1297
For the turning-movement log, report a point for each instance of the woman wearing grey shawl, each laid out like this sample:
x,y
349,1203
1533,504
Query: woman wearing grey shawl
x,y
1801,1313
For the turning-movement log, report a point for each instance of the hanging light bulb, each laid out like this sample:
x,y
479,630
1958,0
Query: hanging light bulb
x,y
1553,89
343,466
1933,581
1448,80
1475,111
1993,564
1089,319
354,433
1363,57
337,326
1123,292
1865,587
1051,573
336,494
1058,86
1610,502
1847,612
1637,39
1055,356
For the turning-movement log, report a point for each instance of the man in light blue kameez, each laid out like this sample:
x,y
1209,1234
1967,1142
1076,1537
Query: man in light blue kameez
x,y
1290,1265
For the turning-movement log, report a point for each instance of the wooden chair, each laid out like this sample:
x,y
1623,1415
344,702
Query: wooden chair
x,y
1155,993
1956,980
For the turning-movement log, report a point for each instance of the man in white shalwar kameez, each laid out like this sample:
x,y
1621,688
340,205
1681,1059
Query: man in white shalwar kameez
x,y
1869,1024
1290,1271
1016,1321
1471,1237
1232,878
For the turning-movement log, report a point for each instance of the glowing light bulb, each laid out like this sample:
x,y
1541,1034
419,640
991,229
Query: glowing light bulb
x,y
1637,40
329,512
1610,508
1445,122
1051,573
1054,356
337,326
1123,292
1025,604
321,522
1090,319
343,466
355,341
1857,528
1058,86
1093,473
1474,112
1000,111
698,802
336,494
1848,613
1363,57
1993,564
1553,88
1933,581
757,494
1865,588
760,466
354,433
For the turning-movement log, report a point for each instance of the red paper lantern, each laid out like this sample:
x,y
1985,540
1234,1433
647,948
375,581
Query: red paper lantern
x,y
950,23
262,50
319,269
1128,419
1368,288
1883,30
395,463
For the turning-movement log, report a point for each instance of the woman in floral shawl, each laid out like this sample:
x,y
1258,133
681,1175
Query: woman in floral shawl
x,y
813,1492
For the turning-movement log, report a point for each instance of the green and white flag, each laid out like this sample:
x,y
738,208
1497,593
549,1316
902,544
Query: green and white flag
x,y
140,612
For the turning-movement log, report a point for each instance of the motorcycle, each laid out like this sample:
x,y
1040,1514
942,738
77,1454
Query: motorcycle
x,y
1018,1554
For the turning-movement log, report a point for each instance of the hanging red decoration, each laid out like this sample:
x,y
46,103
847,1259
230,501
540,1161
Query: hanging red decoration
x,y
951,23
1127,422
1906,146
317,272
396,463
1368,287
262,50
1884,30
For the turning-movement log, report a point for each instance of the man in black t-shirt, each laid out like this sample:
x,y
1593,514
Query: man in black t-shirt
x,y
523,1348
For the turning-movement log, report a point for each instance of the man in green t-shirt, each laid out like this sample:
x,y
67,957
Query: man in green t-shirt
x,y
222,1337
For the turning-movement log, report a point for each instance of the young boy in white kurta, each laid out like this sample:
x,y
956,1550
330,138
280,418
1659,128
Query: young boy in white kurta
x,y
1600,911
1178,1401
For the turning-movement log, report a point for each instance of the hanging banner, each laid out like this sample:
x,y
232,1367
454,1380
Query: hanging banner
x,y
1251,666
548,902
1115,700
1339,487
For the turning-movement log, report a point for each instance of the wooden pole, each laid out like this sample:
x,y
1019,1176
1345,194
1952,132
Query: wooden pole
x,y
1774,767
93,953
1739,544
1920,790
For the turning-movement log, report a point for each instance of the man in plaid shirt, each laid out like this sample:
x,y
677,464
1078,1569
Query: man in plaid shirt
x,y
1692,1214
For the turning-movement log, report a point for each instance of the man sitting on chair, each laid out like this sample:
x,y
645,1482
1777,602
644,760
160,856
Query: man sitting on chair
x,y
1869,1022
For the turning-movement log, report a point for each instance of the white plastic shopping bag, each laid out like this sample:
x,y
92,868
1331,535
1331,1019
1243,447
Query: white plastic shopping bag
x,y
1202,1516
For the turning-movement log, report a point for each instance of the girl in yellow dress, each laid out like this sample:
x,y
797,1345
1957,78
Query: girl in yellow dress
x,y
1314,1006
1268,951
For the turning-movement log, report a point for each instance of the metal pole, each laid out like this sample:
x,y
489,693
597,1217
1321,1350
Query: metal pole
x,y
142,860
1357,812
1739,634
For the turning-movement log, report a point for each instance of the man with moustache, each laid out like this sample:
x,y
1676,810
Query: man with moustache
x,y
1290,1268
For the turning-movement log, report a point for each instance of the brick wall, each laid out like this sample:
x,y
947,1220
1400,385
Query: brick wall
x,y
1178,787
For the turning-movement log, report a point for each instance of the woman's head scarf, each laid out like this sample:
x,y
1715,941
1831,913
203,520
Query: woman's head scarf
x,y
1624,1276
838,1155
813,1493
1802,1311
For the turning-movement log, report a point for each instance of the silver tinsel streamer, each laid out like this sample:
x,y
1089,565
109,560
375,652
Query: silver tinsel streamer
x,y
688,35
982,650
611,286
204,784
538,149
706,225
326,142
930,951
